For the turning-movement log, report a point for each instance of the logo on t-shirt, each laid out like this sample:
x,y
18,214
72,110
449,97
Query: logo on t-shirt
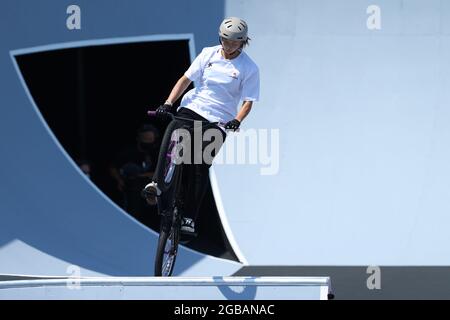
x,y
234,74
209,65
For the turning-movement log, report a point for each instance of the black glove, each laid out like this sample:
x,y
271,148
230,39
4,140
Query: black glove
x,y
164,110
233,124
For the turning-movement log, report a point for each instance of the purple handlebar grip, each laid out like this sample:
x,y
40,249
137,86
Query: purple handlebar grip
x,y
151,113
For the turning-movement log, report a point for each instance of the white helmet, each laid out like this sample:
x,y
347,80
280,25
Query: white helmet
x,y
233,29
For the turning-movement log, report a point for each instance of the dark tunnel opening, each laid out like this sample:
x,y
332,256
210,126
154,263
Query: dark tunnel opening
x,y
95,98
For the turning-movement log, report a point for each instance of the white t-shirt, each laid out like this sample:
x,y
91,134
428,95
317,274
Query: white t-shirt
x,y
220,84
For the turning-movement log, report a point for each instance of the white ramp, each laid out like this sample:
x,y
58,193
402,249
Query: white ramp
x,y
175,288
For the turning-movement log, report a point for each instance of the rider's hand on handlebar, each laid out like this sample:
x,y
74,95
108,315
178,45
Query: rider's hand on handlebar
x,y
164,110
233,124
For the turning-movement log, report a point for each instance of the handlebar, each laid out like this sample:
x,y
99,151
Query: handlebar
x,y
220,124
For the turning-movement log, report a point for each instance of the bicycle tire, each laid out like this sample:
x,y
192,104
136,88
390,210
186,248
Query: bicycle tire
x,y
164,167
168,241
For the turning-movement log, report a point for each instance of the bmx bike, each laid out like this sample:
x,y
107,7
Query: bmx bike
x,y
168,176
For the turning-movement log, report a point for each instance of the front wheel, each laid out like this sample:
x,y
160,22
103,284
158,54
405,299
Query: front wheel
x,y
166,253
167,168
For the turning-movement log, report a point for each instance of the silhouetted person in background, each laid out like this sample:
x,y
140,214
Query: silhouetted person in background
x,y
133,168
85,166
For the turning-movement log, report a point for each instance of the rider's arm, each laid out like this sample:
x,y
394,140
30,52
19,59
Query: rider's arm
x,y
245,110
178,89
